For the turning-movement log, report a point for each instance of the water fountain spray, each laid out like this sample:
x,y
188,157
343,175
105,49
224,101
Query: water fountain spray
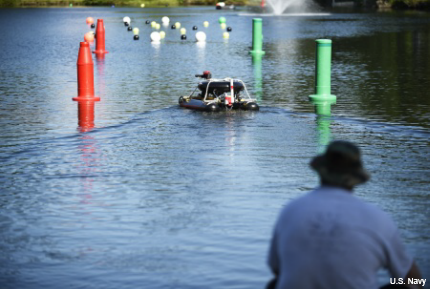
x,y
279,6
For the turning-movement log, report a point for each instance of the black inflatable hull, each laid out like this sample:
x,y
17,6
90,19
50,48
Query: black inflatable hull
x,y
219,86
200,105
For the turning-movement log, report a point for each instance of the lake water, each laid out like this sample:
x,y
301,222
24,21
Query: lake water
x,y
156,196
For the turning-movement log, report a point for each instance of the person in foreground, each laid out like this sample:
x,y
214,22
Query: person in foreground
x,y
330,239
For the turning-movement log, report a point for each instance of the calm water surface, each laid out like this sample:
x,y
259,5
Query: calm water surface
x,y
160,197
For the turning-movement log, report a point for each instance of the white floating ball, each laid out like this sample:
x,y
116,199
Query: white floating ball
x,y
205,24
165,20
183,31
155,37
142,5
126,19
136,31
201,36
162,34
178,25
226,35
157,26
153,23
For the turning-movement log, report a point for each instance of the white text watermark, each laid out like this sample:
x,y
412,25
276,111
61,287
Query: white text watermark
x,y
415,281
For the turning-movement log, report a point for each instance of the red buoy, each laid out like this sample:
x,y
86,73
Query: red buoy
x,y
85,74
86,97
86,115
100,38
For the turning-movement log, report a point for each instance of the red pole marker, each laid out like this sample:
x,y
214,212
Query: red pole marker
x,y
100,38
86,115
100,58
85,74
86,97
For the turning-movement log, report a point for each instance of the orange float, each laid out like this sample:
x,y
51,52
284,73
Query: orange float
x,y
89,37
90,20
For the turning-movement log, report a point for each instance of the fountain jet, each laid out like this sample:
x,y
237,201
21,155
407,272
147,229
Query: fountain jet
x,y
279,6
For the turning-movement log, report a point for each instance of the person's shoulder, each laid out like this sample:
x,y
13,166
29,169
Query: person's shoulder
x,y
301,199
349,201
372,209
376,215
301,203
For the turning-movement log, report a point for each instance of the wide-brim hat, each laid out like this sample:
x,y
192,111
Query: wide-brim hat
x,y
341,165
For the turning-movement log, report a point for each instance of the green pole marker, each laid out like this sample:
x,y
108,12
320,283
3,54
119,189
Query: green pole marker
x,y
258,76
322,107
257,36
323,98
324,133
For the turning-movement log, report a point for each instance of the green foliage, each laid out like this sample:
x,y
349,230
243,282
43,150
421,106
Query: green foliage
x,y
409,4
9,3
96,2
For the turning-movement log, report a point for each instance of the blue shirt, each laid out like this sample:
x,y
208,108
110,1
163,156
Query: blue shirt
x,y
330,239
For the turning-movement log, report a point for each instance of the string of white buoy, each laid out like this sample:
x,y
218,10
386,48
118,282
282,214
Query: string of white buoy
x,y
156,36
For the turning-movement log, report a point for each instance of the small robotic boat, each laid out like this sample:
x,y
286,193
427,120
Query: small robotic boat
x,y
219,94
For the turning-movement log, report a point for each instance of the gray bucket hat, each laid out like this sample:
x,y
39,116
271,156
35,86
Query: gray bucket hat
x,y
341,165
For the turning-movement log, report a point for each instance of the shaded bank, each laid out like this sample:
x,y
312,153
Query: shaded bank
x,y
133,3
409,4
381,4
